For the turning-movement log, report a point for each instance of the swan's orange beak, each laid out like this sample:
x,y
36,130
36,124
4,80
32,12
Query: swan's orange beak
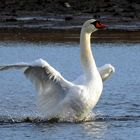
x,y
100,25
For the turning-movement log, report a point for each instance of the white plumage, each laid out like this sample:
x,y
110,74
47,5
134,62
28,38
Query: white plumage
x,y
59,97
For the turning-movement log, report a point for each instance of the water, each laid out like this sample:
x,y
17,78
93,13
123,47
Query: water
x,y
117,115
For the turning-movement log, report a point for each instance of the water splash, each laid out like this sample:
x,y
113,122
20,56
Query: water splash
x,y
40,119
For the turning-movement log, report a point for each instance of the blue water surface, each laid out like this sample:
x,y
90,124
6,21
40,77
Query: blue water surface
x,y
117,112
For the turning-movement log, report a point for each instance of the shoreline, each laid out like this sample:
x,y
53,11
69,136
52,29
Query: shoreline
x,y
54,28
67,35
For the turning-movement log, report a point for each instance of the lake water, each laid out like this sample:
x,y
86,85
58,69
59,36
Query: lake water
x,y
117,114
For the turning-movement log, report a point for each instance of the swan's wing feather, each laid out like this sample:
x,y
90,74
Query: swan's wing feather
x,y
14,66
48,86
106,71
51,86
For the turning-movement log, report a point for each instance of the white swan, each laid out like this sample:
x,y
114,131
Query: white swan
x,y
59,97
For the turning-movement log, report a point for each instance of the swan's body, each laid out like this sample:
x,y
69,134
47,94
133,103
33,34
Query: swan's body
x,y
59,97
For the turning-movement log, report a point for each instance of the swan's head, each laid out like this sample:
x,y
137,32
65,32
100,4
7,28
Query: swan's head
x,y
92,25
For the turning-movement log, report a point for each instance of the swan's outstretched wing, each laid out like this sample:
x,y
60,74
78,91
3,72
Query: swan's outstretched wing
x,y
51,86
105,72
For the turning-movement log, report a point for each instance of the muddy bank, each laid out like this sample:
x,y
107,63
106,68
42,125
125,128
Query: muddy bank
x,y
58,21
67,35
45,20
49,14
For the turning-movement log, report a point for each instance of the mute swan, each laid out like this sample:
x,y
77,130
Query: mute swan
x,y
59,97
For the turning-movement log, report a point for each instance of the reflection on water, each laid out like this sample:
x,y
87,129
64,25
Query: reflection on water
x,y
95,129
117,113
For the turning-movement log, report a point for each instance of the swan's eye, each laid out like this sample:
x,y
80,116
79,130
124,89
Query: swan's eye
x,y
94,23
98,24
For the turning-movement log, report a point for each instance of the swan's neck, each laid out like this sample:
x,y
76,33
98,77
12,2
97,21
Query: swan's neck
x,y
87,58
